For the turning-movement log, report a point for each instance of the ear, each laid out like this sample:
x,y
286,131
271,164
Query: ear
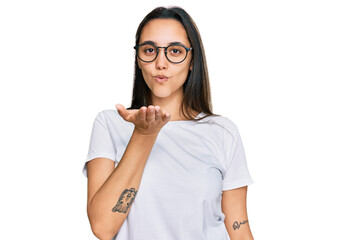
x,y
191,64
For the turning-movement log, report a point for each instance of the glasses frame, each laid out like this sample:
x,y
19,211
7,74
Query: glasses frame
x,y
158,50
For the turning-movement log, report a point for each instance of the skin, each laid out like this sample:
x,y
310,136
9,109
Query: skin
x,y
236,218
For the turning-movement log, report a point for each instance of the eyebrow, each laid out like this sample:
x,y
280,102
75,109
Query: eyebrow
x,y
171,43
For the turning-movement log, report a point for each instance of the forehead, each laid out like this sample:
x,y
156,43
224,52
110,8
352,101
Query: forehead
x,y
164,31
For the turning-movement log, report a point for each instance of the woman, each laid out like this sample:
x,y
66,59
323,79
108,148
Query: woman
x,y
167,167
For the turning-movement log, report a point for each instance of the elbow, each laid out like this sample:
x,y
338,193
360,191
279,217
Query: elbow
x,y
102,232
102,228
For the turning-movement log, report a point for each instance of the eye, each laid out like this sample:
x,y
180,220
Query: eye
x,y
176,50
149,50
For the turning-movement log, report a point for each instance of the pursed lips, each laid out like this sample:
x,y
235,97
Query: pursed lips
x,y
161,78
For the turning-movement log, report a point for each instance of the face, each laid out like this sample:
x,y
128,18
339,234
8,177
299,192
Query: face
x,y
165,79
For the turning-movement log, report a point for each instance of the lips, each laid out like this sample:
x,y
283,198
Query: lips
x,y
161,78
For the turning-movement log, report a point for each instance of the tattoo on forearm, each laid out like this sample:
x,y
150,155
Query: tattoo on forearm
x,y
125,200
237,225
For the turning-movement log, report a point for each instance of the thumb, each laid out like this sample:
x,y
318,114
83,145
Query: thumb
x,y
121,110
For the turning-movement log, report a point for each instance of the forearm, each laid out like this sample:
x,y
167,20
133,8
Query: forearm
x,y
108,208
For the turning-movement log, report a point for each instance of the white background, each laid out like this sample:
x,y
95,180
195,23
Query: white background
x,y
288,73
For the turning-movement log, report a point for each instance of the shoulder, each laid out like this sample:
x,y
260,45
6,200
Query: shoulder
x,y
110,117
109,114
226,125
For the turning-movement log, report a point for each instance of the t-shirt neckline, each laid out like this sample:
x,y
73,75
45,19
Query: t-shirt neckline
x,y
186,121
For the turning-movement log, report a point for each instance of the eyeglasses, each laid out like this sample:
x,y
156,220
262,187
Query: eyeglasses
x,y
175,53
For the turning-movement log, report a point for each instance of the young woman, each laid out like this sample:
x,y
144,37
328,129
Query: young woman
x,y
167,167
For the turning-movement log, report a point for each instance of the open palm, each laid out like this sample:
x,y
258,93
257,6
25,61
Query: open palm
x,y
147,120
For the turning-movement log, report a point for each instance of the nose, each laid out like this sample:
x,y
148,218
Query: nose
x,y
161,60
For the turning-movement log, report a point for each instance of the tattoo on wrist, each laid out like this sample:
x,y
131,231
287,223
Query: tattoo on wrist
x,y
237,224
125,200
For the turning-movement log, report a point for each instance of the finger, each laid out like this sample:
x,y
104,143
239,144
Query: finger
x,y
166,116
150,113
142,113
122,110
158,113
162,114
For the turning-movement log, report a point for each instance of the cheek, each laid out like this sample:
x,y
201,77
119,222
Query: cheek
x,y
145,69
183,72
143,66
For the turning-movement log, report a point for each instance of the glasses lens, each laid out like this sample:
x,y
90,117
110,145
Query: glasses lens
x,y
147,52
176,53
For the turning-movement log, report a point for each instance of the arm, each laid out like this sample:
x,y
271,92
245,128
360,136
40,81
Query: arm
x,y
236,219
111,191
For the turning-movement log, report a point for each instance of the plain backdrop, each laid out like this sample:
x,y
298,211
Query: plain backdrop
x,y
288,73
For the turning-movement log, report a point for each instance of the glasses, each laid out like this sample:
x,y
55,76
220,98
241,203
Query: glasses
x,y
175,53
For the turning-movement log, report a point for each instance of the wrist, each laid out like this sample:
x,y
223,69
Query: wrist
x,y
138,133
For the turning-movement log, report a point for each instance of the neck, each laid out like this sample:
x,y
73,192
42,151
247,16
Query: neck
x,y
172,105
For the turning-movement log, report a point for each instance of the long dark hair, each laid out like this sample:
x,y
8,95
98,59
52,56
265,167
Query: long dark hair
x,y
196,89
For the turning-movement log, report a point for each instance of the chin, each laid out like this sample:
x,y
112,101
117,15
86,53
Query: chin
x,y
161,94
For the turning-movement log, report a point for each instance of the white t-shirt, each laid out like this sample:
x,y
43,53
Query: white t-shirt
x,y
181,188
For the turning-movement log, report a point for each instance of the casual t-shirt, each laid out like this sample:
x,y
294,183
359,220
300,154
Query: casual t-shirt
x,y
189,167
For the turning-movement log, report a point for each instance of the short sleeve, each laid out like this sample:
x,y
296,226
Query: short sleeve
x,y
101,144
237,173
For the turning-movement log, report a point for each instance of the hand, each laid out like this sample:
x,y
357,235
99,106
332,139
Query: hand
x,y
147,120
